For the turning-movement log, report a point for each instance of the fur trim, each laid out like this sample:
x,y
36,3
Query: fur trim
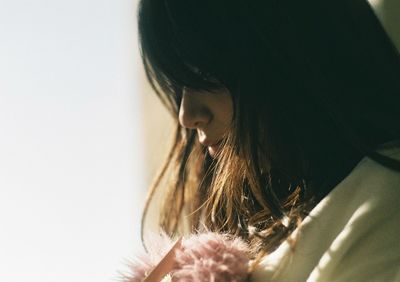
x,y
202,257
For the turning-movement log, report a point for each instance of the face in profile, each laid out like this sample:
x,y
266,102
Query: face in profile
x,y
209,113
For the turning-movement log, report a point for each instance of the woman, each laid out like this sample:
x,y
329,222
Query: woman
x,y
285,113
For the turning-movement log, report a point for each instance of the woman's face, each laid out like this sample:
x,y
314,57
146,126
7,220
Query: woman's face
x,y
210,113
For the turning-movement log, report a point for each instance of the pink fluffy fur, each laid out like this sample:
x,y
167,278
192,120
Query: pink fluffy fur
x,y
141,265
202,257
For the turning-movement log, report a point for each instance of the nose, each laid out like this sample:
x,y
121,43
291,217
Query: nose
x,y
193,112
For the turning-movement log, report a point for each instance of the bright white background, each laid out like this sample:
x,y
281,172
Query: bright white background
x,y
71,161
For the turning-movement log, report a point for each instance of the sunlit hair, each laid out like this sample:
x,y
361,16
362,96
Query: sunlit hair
x,y
315,88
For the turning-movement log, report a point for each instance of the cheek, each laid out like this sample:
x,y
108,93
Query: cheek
x,y
226,109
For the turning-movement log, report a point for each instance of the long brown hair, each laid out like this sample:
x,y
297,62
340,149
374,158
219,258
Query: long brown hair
x,y
314,92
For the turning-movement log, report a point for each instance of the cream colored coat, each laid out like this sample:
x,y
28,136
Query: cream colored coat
x,y
351,235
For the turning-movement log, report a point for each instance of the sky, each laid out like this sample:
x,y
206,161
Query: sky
x,y
71,158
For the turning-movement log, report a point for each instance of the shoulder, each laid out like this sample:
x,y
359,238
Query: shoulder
x,y
351,235
388,13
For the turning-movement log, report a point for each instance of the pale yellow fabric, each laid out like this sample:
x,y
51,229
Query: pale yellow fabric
x,y
351,235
